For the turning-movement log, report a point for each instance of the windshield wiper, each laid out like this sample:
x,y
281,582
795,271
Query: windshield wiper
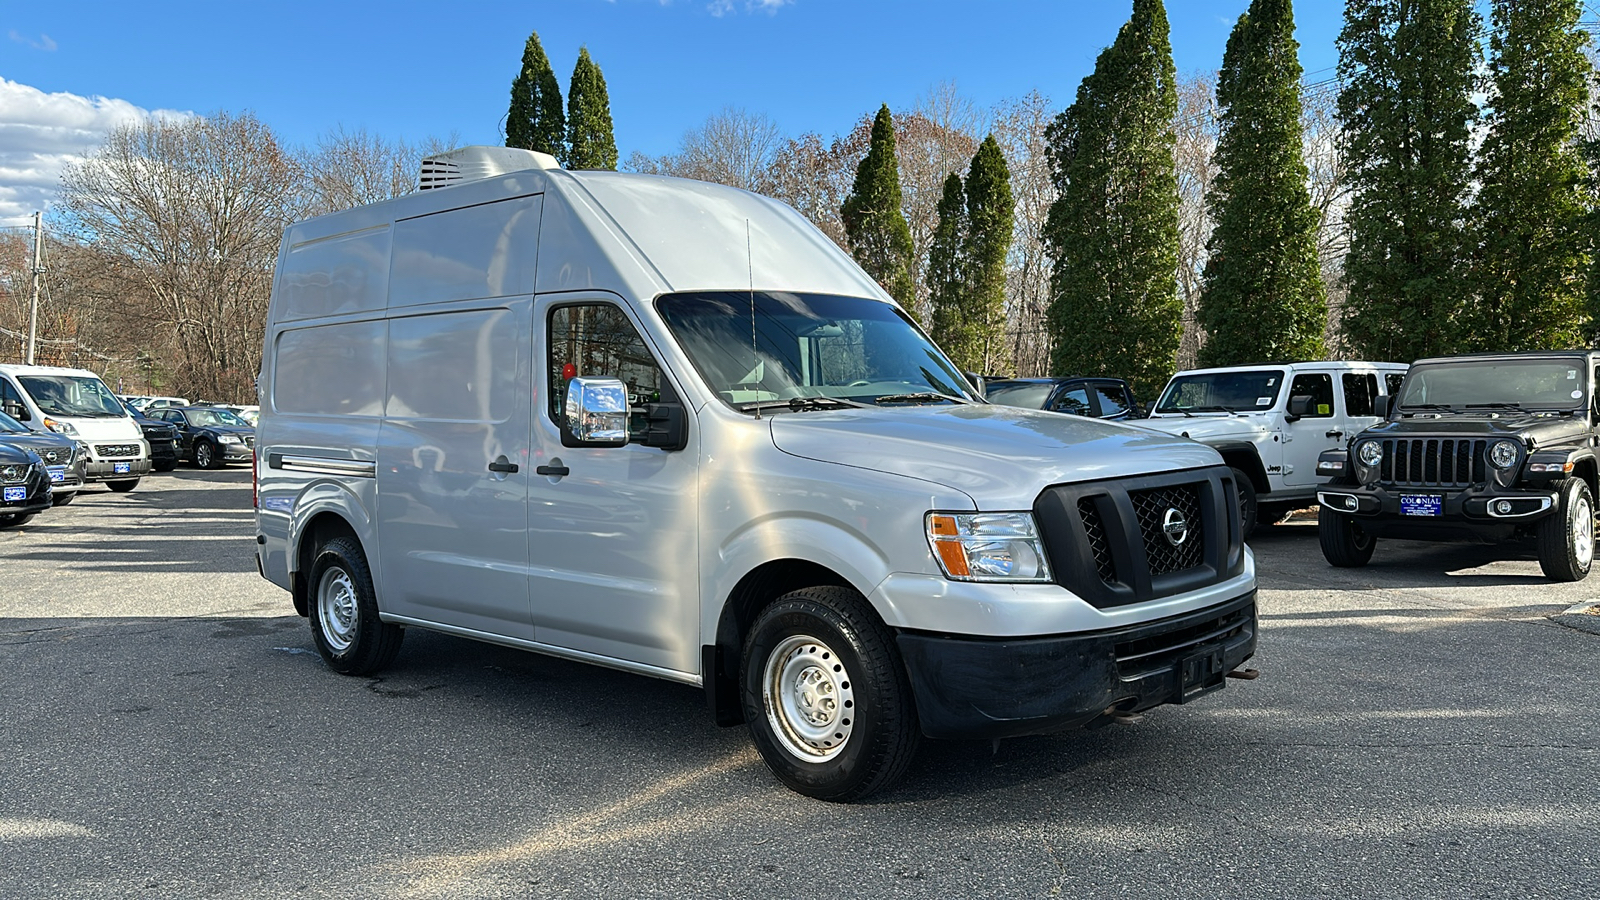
x,y
922,397
801,404
1515,406
1227,409
1440,406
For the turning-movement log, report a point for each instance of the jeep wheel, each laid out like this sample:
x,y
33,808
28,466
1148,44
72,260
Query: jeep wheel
x,y
826,696
1344,544
344,612
1247,501
1566,539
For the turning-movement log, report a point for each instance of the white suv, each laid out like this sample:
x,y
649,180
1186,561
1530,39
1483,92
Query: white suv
x,y
1269,422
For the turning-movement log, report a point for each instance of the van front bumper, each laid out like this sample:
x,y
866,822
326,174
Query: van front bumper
x,y
990,688
107,470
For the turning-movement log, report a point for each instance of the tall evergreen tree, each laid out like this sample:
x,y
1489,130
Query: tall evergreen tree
x,y
590,143
989,217
1532,251
1263,295
946,273
1113,230
1409,73
534,121
876,228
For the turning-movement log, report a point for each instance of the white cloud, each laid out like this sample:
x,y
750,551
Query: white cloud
x,y
43,43
41,133
720,8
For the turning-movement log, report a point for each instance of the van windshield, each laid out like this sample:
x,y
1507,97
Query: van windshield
x,y
769,347
71,395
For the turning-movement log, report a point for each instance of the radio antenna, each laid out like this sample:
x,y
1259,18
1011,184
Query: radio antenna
x,y
755,354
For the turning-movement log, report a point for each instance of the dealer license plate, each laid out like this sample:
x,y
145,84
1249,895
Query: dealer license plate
x,y
121,468
1421,505
58,474
13,494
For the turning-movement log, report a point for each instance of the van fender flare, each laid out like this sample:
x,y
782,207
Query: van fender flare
x,y
330,496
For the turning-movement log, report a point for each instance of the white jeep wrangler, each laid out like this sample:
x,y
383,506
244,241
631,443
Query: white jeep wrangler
x,y
1270,422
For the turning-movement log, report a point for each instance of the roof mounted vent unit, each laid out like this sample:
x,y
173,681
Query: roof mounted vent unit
x,y
475,163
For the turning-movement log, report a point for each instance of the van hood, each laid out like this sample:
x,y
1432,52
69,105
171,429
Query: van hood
x,y
102,428
1210,428
1000,456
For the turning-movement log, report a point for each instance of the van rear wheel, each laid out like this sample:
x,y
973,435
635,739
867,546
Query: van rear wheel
x,y
344,612
826,695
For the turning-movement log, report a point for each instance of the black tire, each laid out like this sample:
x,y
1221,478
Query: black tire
x,y
206,456
165,465
63,499
1247,501
845,676
123,486
1344,544
1566,539
16,520
344,612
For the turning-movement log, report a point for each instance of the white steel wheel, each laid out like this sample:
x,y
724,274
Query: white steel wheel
x,y
809,700
338,613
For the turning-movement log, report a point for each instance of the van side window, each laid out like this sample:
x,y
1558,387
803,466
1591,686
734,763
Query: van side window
x,y
11,402
598,339
1319,387
1360,389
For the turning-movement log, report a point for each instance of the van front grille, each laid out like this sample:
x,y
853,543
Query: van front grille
x,y
111,450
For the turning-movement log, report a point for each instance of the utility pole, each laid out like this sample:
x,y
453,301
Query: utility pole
x,y
38,273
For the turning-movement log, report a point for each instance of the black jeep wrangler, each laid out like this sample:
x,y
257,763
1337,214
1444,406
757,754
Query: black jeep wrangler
x,y
1486,447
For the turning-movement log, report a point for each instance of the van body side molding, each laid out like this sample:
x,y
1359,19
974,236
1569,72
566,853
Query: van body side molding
x,y
321,465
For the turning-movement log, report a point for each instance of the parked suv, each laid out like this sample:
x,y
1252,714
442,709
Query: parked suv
x,y
1099,398
1270,422
62,456
161,436
24,485
1487,447
668,427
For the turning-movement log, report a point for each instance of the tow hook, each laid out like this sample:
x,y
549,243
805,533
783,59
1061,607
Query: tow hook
x,y
1245,674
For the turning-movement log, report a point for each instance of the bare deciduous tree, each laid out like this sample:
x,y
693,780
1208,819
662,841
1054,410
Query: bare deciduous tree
x,y
352,168
1196,130
1329,186
733,147
1019,126
189,213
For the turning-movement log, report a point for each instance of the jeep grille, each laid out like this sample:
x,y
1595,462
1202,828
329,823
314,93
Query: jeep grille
x,y
1434,462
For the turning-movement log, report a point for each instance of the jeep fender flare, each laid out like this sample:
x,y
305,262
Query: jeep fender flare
x,y
1244,456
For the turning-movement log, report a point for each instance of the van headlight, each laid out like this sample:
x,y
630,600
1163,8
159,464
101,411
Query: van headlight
x,y
60,427
987,546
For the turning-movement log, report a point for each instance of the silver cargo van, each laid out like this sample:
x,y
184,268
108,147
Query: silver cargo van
x,y
668,427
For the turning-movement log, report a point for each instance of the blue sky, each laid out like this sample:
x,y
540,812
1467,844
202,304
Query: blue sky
x,y
410,70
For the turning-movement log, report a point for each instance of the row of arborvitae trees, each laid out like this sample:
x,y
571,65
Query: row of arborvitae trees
x,y
579,139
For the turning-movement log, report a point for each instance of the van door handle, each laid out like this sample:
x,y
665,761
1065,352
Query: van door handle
x,y
503,465
1335,434
559,471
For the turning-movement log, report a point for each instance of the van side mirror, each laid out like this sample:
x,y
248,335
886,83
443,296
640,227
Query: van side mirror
x,y
596,413
1299,407
16,410
1380,406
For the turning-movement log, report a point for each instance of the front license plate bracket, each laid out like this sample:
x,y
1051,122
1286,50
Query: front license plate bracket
x,y
1201,674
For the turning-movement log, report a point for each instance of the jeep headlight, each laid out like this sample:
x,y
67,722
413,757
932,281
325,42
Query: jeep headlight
x,y
230,439
1370,453
987,546
1503,454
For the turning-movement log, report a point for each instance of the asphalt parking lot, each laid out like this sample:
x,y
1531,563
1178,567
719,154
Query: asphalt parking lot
x,y
1421,728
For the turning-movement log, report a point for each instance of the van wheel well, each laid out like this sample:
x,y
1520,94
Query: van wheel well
x,y
720,661
323,528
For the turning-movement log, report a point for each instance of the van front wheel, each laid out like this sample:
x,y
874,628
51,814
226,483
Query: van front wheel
x,y
344,612
826,695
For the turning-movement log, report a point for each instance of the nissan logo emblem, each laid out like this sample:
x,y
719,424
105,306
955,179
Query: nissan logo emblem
x,y
1175,527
